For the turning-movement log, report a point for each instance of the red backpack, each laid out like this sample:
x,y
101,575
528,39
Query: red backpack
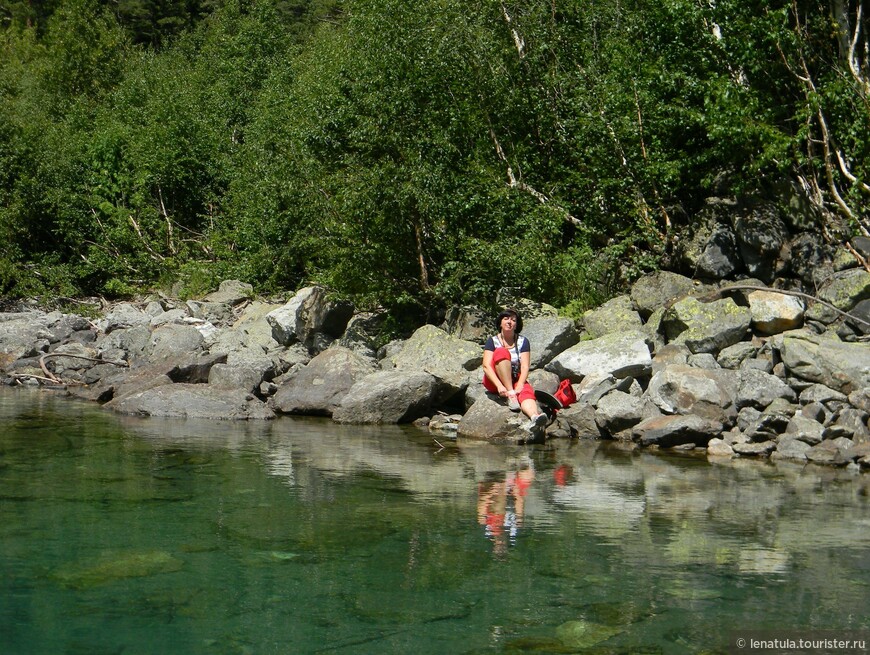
x,y
565,393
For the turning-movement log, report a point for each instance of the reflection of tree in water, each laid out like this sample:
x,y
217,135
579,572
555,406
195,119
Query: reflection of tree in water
x,y
501,501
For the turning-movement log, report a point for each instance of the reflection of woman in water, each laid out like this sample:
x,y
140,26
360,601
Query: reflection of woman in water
x,y
501,504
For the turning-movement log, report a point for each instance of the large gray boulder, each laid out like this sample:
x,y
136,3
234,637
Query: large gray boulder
x,y
388,397
843,290
770,422
774,312
676,430
733,356
22,334
450,360
122,316
217,313
709,247
70,359
619,354
131,344
490,420
850,423
117,383
825,359
548,337
361,332
791,448
528,309
593,387
706,327
177,315
245,370
175,340
616,315
319,387
809,255
819,393
831,451
683,389
193,401
759,389
231,292
254,326
804,429
61,327
581,419
657,289
310,317
618,411
468,324
761,234
755,448
859,318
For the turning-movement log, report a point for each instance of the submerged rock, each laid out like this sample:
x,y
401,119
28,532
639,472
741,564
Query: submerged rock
x,y
585,634
111,568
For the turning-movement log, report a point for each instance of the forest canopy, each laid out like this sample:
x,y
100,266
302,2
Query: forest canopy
x,y
406,153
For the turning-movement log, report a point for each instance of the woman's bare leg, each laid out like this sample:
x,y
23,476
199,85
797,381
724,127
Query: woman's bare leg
x,y
503,371
530,407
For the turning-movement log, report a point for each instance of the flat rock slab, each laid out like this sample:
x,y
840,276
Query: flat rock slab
x,y
193,401
676,430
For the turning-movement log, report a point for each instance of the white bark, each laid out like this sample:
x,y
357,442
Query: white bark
x,y
518,40
853,42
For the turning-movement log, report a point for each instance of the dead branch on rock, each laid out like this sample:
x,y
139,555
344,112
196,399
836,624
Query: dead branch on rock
x,y
751,287
51,377
23,376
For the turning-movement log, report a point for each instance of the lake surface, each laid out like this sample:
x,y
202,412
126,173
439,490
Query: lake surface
x,y
123,535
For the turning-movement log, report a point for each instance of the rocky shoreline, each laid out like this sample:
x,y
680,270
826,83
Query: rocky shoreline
x,y
758,349
730,369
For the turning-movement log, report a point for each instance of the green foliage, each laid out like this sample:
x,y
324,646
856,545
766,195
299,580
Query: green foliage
x,y
85,50
406,153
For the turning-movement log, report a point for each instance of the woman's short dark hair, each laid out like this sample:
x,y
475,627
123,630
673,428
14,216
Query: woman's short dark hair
x,y
509,311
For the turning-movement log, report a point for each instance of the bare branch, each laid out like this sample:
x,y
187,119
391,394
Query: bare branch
x,y
518,40
155,256
850,40
516,183
163,211
424,271
861,260
751,287
99,360
643,153
844,169
23,376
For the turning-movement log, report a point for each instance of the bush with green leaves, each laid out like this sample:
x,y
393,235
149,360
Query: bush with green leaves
x,y
410,154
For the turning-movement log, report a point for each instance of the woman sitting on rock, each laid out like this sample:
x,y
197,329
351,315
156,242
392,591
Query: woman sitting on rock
x,y
506,358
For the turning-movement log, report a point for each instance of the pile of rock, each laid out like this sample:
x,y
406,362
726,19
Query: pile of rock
x,y
736,369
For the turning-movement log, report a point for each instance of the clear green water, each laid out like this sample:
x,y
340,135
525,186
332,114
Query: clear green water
x,y
122,535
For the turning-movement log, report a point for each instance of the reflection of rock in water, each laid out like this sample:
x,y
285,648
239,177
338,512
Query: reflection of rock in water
x,y
389,450
607,511
691,545
279,462
197,433
763,560
725,515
